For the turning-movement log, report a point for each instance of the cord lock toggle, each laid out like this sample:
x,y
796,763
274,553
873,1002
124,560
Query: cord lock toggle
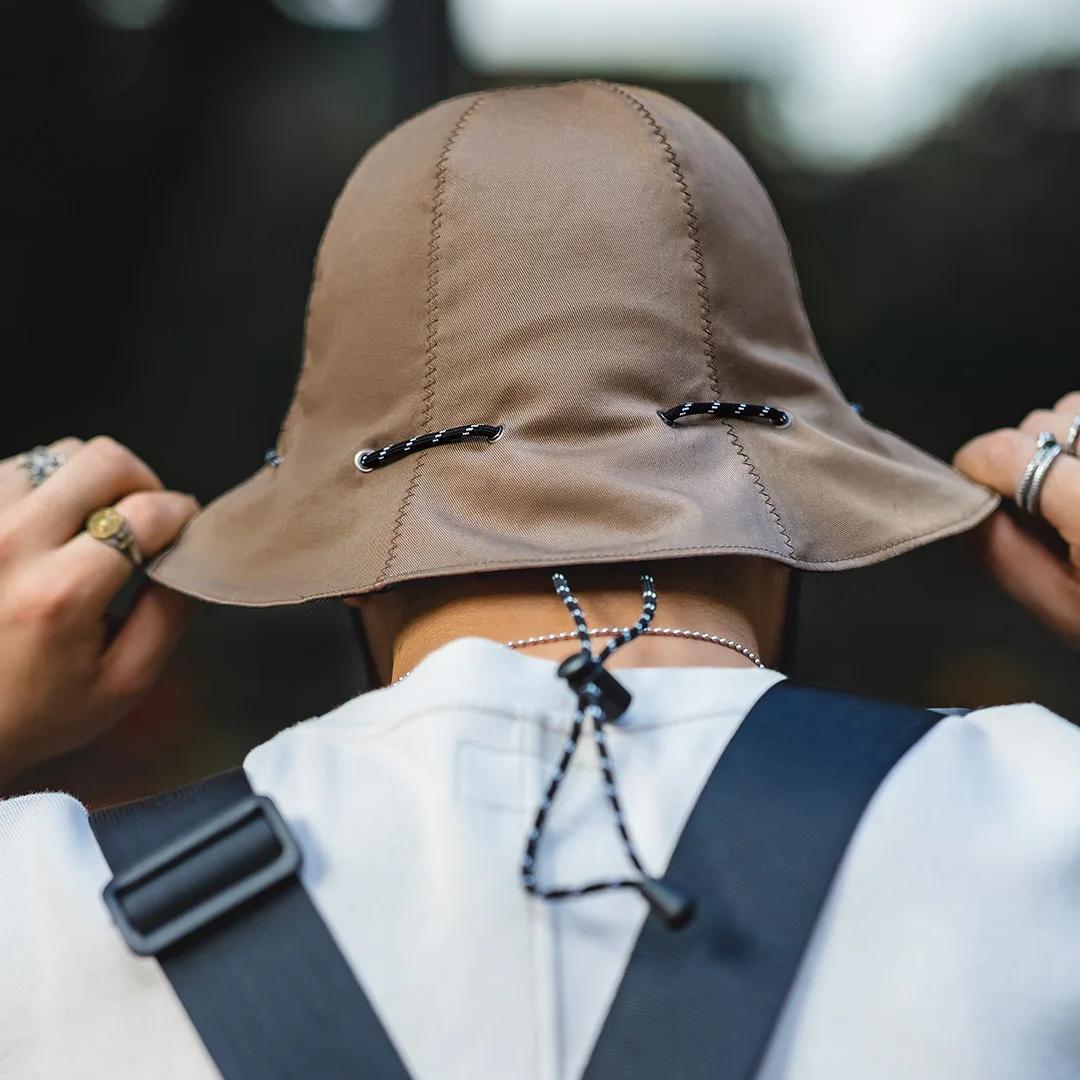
x,y
594,685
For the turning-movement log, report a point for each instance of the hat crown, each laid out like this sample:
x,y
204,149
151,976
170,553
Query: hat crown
x,y
559,263
580,250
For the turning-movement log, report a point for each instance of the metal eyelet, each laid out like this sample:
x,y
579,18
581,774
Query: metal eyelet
x,y
358,461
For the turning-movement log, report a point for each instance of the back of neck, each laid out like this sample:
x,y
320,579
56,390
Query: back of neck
x,y
738,598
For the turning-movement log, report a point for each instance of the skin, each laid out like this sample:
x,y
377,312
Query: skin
x,y
736,597
62,682
1040,571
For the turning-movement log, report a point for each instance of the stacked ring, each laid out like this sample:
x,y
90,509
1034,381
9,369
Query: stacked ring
x,y
109,526
39,464
1029,490
1073,436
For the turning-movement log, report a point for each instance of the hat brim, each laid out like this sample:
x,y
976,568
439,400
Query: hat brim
x,y
853,498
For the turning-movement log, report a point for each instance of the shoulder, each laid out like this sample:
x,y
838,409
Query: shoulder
x,y
950,930
1017,747
1011,768
75,1002
986,808
1030,715
50,824
51,871
51,875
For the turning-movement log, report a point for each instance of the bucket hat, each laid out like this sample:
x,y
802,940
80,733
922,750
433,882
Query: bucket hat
x,y
552,326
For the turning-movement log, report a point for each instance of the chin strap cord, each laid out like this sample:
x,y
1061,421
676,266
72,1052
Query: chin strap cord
x,y
601,699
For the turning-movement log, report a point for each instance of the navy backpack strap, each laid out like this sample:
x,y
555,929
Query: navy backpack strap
x,y
206,881
759,852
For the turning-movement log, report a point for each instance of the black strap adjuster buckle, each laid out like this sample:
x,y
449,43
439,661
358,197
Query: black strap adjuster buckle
x,y
201,875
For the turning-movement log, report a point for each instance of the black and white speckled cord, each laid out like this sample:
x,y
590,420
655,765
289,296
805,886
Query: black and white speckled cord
x,y
592,710
725,410
367,460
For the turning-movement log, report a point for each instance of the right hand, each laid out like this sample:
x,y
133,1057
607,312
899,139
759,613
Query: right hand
x,y
62,682
1042,580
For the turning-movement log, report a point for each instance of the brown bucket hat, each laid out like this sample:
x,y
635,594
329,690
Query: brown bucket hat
x,y
556,266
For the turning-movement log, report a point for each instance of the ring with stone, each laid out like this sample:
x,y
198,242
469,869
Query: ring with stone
x,y
1029,490
39,464
1073,437
110,527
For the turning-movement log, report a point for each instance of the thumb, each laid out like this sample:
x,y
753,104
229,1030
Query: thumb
x,y
1029,572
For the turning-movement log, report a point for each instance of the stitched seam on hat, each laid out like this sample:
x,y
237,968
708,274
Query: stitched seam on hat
x,y
431,342
705,307
287,421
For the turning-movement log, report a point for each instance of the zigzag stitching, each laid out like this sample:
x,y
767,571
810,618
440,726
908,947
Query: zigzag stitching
x,y
431,342
693,231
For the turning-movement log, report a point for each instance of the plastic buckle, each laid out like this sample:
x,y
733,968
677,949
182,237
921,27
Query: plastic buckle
x,y
188,846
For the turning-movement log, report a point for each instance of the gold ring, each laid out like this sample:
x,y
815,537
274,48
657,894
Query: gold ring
x,y
109,526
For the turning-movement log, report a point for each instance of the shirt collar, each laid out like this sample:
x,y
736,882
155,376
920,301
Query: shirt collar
x,y
478,673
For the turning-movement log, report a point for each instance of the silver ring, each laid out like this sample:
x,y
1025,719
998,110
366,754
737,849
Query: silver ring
x,y
39,464
110,527
1073,437
1029,490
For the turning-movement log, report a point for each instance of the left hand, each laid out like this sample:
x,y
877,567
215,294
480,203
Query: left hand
x,y
1046,582
63,681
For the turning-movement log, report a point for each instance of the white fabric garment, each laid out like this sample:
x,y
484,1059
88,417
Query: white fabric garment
x,y
949,948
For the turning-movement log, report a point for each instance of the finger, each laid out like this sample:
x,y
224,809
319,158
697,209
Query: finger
x,y
1040,420
1069,404
134,660
998,460
155,519
15,480
99,474
1031,574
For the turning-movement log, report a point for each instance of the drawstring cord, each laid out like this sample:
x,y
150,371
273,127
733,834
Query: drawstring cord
x,y
601,699
366,460
725,410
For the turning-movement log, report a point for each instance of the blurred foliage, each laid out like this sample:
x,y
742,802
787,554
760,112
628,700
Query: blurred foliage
x,y
163,194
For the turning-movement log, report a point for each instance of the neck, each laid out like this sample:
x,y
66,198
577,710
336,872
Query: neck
x,y
737,598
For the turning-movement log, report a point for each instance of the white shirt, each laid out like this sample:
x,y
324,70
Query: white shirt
x,y
949,947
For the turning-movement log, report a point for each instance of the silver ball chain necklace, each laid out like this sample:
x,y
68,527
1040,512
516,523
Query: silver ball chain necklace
x,y
615,631
650,631
601,698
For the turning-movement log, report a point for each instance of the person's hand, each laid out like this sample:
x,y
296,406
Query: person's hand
x,y
61,680
1045,581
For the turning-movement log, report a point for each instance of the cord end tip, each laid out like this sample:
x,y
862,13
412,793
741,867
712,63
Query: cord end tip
x,y
669,902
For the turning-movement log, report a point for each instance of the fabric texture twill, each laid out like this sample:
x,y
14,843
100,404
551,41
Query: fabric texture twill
x,y
947,949
562,261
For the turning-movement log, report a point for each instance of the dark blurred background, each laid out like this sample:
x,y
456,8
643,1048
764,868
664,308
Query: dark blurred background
x,y
168,166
